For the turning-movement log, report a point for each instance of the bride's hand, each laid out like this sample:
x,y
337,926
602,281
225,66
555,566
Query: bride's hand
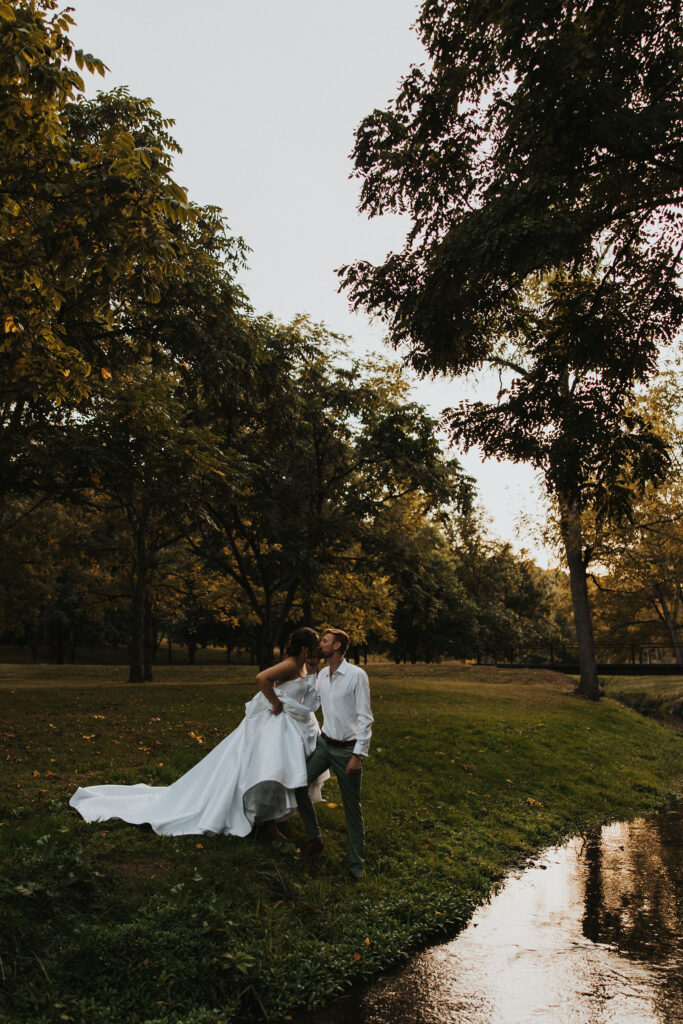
x,y
277,708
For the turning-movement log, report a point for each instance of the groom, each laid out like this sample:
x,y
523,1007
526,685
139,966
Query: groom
x,y
344,742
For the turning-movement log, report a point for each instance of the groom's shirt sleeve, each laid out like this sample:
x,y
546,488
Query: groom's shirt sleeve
x,y
363,713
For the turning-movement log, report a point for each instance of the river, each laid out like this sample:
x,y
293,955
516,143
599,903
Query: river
x,y
590,932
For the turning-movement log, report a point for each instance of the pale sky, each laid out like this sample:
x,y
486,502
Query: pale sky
x,y
266,95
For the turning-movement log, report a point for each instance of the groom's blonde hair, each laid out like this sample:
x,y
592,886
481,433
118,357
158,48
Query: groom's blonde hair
x,y
341,636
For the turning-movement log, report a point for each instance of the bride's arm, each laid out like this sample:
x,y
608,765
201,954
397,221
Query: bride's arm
x,y
280,673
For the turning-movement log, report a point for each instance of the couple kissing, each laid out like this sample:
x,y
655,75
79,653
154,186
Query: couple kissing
x,y
274,763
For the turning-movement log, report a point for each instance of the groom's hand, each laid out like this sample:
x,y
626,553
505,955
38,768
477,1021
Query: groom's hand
x,y
355,764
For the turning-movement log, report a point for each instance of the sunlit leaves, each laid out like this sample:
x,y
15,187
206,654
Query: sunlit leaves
x,y
85,60
88,211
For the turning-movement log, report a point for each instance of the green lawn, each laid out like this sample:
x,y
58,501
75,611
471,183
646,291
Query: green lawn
x,y
471,769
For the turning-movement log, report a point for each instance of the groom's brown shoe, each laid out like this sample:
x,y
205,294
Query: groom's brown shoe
x,y
313,847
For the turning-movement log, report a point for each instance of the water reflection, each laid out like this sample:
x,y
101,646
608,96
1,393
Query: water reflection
x,y
591,933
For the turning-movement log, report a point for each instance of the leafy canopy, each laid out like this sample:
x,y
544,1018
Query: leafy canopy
x,y
538,152
88,209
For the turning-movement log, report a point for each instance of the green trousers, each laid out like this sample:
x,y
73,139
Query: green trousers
x,y
325,756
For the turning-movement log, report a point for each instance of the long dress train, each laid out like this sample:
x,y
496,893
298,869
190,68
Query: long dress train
x,y
248,778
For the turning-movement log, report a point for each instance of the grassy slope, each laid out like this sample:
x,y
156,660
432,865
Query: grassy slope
x,y
660,696
471,769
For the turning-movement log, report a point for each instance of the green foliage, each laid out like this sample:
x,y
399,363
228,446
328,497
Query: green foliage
x,y
146,459
121,317
546,240
108,922
324,452
639,568
537,152
461,593
87,211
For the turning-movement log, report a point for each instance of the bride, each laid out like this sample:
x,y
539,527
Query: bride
x,y
249,778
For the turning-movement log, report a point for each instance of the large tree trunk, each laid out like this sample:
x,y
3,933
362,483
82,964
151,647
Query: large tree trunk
x,y
570,522
137,641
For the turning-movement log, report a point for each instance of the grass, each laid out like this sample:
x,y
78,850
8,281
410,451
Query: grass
x,y
658,696
20,677
471,770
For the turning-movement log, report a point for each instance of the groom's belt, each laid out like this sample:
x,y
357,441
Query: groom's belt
x,y
337,743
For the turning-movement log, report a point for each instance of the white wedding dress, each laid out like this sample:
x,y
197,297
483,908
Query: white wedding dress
x,y
249,777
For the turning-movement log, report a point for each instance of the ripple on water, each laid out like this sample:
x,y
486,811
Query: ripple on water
x,y
593,932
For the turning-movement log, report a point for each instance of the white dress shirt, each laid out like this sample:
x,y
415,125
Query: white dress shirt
x,y
345,702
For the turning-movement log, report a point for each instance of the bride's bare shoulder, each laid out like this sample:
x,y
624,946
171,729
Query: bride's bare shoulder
x,y
281,672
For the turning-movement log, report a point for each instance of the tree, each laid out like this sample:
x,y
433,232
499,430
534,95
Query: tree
x,y
195,606
461,593
143,320
639,571
87,206
538,154
641,595
63,586
352,593
434,617
139,461
325,450
89,228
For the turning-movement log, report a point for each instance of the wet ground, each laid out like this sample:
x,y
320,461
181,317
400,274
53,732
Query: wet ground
x,y
589,933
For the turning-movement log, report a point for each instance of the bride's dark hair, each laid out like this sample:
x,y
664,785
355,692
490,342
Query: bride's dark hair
x,y
300,638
